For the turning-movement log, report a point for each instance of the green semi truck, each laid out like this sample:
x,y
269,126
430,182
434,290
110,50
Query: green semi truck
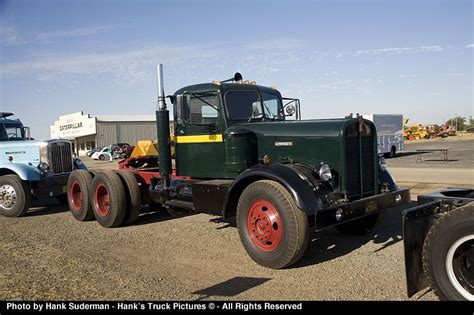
x,y
242,150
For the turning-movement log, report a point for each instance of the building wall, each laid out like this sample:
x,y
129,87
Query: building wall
x,y
84,144
130,132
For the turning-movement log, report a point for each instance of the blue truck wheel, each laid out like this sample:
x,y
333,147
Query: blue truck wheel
x,y
15,196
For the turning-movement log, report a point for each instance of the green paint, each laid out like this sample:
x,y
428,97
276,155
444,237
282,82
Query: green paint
x,y
308,142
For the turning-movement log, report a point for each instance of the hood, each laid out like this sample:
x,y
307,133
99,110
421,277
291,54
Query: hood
x,y
308,142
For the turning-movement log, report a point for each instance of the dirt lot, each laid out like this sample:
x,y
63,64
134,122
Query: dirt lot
x,y
48,255
460,153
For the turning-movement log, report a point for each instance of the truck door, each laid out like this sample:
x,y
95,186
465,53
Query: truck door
x,y
199,146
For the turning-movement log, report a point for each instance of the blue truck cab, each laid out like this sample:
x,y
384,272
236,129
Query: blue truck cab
x,y
31,169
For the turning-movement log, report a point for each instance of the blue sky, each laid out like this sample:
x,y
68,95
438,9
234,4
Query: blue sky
x,y
338,57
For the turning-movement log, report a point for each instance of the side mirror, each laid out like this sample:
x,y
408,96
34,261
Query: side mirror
x,y
290,109
182,108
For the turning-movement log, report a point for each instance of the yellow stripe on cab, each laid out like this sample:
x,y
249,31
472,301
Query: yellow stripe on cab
x,y
199,138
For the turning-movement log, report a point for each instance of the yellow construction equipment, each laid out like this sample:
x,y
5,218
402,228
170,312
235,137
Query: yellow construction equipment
x,y
147,148
144,148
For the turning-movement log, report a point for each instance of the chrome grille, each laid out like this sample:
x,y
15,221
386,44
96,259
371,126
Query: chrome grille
x,y
60,157
360,163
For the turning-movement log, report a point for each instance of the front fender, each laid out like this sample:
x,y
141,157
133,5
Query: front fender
x,y
385,176
78,164
294,182
24,171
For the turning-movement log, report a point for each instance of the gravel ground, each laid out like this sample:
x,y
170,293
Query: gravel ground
x,y
47,255
460,153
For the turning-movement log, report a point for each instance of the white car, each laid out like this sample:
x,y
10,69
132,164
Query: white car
x,y
101,155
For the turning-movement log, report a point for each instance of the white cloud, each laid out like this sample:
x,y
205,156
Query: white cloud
x,y
470,46
399,50
121,66
83,31
10,36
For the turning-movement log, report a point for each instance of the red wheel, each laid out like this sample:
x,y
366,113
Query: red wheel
x,y
75,195
109,201
102,200
272,229
79,193
264,225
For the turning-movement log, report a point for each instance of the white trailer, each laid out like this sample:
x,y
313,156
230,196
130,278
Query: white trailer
x,y
389,132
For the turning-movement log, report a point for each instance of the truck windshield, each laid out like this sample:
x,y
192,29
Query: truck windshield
x,y
272,106
248,105
11,132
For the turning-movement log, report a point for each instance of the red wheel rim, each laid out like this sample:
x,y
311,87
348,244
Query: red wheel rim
x,y
264,225
102,200
75,195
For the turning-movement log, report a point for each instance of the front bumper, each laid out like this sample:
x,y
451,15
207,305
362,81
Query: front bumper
x,y
49,186
362,207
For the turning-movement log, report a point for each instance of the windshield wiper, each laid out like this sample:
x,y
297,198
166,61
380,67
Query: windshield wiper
x,y
269,112
198,96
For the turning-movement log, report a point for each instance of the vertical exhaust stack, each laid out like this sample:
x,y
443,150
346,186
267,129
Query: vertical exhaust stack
x,y
163,132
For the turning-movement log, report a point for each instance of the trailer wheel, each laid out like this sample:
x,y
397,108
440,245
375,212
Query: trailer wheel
x,y
393,152
133,196
448,255
15,196
272,229
79,192
109,201
361,226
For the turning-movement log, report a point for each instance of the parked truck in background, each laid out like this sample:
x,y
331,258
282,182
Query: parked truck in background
x,y
30,169
389,132
438,237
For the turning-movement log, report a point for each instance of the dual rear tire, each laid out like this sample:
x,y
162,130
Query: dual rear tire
x,y
112,198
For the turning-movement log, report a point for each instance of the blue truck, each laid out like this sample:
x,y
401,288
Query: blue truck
x,y
31,169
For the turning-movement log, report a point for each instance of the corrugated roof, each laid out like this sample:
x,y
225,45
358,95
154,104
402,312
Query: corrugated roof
x,y
128,118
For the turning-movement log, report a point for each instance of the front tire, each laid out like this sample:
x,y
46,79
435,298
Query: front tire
x,y
101,157
272,229
15,196
448,255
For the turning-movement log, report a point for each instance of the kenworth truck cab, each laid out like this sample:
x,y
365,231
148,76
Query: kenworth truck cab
x,y
242,150
30,169
247,157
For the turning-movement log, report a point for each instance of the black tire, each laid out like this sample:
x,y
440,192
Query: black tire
x,y
17,196
101,157
93,172
361,226
133,196
109,213
294,230
444,236
393,152
79,192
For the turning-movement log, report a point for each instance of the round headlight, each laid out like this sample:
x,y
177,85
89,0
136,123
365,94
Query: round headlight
x,y
323,171
44,167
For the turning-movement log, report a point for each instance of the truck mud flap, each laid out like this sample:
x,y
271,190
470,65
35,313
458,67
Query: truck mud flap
x,y
416,223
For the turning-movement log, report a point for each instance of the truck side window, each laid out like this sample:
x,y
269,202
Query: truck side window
x,y
203,109
3,133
